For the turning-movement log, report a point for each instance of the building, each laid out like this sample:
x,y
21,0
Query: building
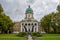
x,y
29,24
16,27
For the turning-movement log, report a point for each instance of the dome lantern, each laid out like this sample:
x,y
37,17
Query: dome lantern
x,y
29,10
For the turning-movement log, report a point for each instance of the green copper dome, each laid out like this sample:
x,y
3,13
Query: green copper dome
x,y
29,10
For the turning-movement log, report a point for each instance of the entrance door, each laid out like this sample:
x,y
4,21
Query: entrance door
x,y
29,31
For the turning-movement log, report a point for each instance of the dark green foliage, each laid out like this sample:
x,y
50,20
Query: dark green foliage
x,y
58,8
51,22
1,9
22,34
37,34
46,22
5,22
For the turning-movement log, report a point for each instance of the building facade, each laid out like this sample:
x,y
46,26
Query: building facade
x,y
28,24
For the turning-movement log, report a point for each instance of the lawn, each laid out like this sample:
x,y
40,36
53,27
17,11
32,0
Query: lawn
x,y
49,37
8,35
11,37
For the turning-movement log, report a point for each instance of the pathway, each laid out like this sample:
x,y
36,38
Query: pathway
x,y
29,37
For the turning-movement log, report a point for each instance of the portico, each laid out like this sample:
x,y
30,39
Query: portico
x,y
29,27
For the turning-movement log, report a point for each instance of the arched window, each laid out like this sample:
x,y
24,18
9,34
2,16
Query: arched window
x,y
35,24
26,24
29,24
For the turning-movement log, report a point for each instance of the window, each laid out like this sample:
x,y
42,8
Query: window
x,y
35,24
26,24
29,24
29,16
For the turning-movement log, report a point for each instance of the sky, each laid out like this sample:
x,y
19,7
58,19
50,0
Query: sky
x,y
16,8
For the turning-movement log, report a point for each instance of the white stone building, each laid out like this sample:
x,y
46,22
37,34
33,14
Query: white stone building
x,y
29,24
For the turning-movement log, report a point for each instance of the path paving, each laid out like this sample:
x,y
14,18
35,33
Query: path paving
x,y
29,37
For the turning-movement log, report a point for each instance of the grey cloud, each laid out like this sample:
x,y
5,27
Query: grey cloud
x,y
31,1
16,8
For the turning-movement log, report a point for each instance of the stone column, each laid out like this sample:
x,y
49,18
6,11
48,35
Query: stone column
x,y
31,27
34,27
21,27
27,26
24,29
37,27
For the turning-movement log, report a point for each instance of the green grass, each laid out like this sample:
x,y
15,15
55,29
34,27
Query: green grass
x,y
49,37
8,35
11,37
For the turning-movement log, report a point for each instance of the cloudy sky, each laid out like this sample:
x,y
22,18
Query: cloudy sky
x,y
16,8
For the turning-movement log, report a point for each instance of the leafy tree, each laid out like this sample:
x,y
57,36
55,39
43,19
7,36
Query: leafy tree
x,y
46,22
52,21
5,22
58,8
1,9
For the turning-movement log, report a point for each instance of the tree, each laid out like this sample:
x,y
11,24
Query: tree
x,y
5,22
46,22
52,21
58,8
57,18
1,9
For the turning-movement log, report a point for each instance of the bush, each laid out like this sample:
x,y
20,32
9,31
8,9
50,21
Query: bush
x,y
22,34
36,34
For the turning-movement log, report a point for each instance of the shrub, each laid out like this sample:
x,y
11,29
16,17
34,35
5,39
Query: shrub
x,y
36,34
22,34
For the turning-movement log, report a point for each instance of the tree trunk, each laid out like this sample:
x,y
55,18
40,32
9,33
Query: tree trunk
x,y
48,29
55,30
